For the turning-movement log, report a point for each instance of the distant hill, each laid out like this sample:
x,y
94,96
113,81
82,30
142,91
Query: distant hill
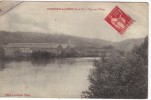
x,y
128,44
31,37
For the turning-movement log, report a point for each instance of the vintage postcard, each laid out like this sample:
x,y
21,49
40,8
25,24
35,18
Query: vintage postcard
x,y
74,49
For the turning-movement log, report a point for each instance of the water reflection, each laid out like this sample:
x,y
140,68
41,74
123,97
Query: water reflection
x,y
40,62
46,78
45,62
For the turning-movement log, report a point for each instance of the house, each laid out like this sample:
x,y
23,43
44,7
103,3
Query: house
x,y
25,49
68,47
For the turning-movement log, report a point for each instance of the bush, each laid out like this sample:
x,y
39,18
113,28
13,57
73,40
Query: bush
x,y
2,53
118,77
42,55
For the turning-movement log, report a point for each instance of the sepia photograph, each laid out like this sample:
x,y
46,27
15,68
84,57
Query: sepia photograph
x,y
74,49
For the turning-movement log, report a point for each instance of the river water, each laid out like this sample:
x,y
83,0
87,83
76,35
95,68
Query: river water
x,y
57,78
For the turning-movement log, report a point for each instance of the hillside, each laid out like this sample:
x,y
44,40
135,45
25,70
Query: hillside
x,y
30,37
128,44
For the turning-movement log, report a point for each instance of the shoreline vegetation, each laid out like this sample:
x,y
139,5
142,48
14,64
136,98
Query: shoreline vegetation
x,y
42,55
120,78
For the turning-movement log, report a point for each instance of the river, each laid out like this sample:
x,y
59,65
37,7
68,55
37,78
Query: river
x,y
57,78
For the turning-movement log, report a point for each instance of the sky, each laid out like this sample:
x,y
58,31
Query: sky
x,y
35,17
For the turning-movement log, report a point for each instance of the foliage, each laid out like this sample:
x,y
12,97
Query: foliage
x,y
2,52
70,53
47,55
41,55
120,77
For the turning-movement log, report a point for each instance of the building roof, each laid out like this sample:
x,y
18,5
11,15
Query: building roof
x,y
64,45
33,45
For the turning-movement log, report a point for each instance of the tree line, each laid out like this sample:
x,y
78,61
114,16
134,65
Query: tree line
x,y
120,77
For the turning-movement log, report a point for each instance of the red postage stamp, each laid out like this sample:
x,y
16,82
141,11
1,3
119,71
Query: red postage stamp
x,y
119,20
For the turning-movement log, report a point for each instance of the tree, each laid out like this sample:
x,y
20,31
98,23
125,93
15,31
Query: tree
x,y
118,77
2,53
